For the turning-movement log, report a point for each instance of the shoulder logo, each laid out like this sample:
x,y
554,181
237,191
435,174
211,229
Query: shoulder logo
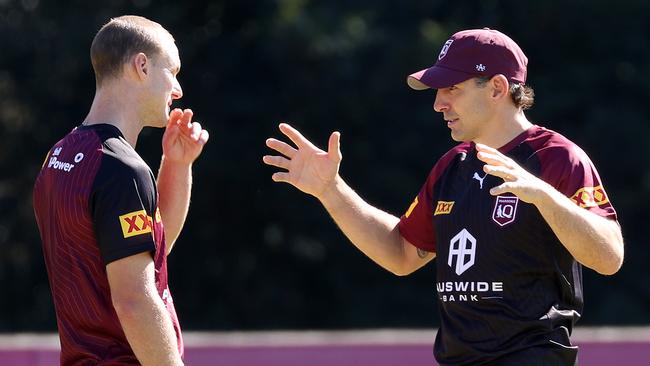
x,y
505,210
444,208
57,151
445,49
590,197
135,223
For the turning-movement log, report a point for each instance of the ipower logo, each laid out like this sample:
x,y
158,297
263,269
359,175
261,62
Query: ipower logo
x,y
462,256
55,163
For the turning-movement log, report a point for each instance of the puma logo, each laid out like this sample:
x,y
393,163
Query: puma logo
x,y
479,179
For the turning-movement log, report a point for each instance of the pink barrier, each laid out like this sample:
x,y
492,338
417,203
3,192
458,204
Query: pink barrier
x,y
360,348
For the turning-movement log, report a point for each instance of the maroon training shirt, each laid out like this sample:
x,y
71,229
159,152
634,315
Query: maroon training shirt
x,y
95,202
509,292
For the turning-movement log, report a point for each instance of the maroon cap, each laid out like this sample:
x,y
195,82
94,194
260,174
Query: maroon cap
x,y
473,53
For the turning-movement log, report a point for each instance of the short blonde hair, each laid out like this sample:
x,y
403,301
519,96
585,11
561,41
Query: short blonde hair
x,y
121,38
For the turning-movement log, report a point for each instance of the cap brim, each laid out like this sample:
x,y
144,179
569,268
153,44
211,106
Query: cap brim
x,y
436,77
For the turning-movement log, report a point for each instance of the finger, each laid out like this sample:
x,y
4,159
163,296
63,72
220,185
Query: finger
x,y
281,147
185,121
174,116
203,138
195,130
499,171
281,177
334,146
487,149
503,188
277,161
490,158
295,136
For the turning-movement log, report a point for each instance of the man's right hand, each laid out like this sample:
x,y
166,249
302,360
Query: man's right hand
x,y
309,168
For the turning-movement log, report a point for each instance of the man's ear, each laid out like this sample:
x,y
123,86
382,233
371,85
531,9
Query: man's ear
x,y
140,64
500,86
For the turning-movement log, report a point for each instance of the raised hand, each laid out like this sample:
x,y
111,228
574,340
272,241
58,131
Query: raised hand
x,y
516,179
309,168
183,139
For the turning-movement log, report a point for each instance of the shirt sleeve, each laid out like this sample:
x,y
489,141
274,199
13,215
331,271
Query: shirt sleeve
x,y
416,224
121,206
570,171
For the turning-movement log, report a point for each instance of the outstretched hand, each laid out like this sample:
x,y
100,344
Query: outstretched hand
x,y
516,179
183,139
309,168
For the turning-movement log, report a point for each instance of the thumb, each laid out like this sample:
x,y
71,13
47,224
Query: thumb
x,y
334,146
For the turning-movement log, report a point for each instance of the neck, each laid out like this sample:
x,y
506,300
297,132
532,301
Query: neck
x,y
504,128
111,106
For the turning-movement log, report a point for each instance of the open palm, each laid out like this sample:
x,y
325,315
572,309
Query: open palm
x,y
309,168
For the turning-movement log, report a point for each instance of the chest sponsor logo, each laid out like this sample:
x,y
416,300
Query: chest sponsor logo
x,y
590,197
505,210
462,256
135,223
54,163
462,252
444,207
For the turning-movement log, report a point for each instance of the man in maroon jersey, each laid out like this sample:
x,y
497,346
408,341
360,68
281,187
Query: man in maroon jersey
x,y
100,212
513,212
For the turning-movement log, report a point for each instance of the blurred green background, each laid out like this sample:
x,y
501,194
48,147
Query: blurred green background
x,y
260,255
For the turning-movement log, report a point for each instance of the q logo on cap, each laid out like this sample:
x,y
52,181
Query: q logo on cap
x,y
445,48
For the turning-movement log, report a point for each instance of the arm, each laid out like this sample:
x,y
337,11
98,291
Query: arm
x,y
182,143
371,230
141,311
592,240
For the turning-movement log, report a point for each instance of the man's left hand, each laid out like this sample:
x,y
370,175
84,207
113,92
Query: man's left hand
x,y
516,179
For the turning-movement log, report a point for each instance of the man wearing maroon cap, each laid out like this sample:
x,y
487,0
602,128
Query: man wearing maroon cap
x,y
513,212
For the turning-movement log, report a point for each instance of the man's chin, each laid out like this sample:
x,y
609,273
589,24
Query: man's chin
x,y
160,123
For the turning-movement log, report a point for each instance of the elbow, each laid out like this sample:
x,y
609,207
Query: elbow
x,y
611,266
613,262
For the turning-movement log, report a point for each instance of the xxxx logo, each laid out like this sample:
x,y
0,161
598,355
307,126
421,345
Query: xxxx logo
x,y
444,207
135,223
590,197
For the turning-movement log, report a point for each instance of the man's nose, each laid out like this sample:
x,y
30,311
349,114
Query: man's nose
x,y
177,91
440,104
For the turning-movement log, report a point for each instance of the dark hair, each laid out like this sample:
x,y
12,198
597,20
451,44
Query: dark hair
x,y
119,39
521,94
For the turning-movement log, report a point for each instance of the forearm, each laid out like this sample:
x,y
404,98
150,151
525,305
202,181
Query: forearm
x,y
371,230
594,241
174,188
149,330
